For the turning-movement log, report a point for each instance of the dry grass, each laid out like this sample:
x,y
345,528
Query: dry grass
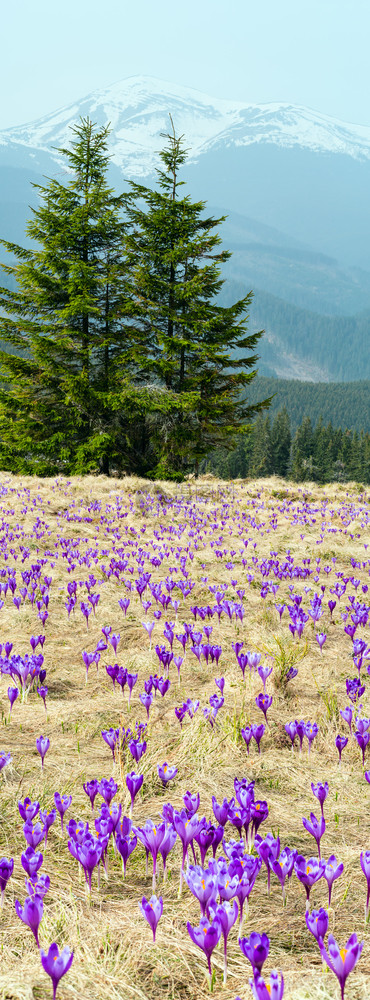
x,y
114,956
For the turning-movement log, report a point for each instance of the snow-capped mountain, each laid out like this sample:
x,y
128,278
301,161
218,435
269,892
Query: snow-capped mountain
x,y
137,110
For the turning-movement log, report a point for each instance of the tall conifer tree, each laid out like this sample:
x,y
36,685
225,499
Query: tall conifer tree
x,y
281,440
194,347
68,399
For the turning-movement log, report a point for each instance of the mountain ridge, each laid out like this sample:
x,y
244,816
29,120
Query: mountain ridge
x,y
137,109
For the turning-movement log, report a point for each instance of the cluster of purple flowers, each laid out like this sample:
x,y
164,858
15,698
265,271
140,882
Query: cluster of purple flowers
x,y
55,963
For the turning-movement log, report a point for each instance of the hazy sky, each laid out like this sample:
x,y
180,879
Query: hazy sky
x,y
311,52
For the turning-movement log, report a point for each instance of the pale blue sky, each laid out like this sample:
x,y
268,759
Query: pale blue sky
x,y
311,52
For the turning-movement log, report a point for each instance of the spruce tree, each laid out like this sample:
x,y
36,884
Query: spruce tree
x,y
281,440
261,463
68,398
302,463
190,341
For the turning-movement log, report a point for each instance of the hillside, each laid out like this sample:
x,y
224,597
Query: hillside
x,y
343,404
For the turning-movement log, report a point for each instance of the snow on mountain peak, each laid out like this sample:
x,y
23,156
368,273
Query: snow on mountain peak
x,y
137,109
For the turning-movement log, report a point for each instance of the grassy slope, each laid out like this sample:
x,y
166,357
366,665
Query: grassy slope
x,y
114,956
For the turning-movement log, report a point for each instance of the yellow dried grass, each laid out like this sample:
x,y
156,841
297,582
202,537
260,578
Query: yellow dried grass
x,y
114,956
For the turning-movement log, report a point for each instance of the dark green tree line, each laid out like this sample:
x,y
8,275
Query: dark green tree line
x,y
322,454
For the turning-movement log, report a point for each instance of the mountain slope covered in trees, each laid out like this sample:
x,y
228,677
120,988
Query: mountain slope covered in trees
x,y
343,404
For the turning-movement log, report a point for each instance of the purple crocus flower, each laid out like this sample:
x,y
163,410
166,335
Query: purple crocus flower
x,y
56,964
151,836
31,914
131,680
5,758
257,734
86,611
355,689
91,788
149,626
347,715
186,827
166,773
264,673
166,846
206,936
308,872
283,867
263,701
340,743
227,885
274,990
137,749
42,745
291,674
124,604
321,639
37,885
316,827
112,670
146,699
365,865
6,870
88,854
203,884
205,838
255,948
362,725
111,738
321,792
227,914
28,810
125,842
301,731
317,923
152,910
163,685
47,819
259,812
12,695
133,783
191,803
220,811
31,861
114,640
62,803
280,609
247,870
247,734
291,730
33,834
108,789
332,871
311,730
362,739
42,692
341,961
268,849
